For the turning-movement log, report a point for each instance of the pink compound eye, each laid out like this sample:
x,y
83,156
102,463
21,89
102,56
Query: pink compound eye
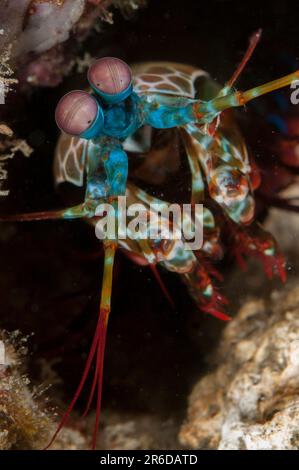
x,y
110,75
75,112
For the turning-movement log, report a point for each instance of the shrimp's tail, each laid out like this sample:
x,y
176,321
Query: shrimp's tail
x,y
97,348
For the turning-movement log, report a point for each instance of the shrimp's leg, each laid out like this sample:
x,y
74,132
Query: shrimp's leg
x,y
255,241
198,186
200,284
106,180
97,346
227,173
208,110
74,212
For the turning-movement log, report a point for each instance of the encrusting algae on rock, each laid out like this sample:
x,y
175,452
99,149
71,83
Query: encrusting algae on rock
x,y
23,423
26,423
250,401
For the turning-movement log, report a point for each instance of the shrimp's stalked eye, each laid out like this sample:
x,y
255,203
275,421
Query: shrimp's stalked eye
x,y
79,114
111,78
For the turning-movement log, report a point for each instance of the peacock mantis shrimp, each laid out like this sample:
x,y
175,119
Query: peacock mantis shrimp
x,y
115,117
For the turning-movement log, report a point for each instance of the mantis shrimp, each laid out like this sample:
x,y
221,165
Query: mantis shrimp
x,y
115,117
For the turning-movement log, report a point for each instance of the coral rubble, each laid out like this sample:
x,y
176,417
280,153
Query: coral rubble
x,y
41,36
23,423
250,399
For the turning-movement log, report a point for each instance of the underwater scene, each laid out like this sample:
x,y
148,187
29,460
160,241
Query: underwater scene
x,y
149,227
